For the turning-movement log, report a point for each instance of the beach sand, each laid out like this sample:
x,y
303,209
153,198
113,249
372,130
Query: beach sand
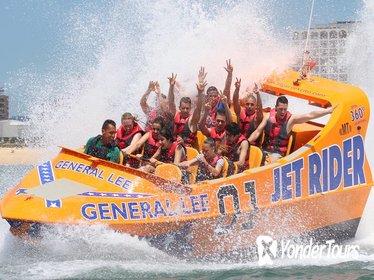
x,y
16,156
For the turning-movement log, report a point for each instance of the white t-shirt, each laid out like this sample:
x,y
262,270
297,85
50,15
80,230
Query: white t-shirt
x,y
220,162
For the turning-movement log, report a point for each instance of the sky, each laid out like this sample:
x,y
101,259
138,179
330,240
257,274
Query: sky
x,y
32,31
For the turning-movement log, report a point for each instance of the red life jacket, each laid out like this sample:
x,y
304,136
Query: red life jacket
x,y
182,129
124,141
247,122
233,155
150,146
204,174
167,156
276,137
218,137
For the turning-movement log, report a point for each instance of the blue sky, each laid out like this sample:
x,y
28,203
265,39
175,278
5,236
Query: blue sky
x,y
30,31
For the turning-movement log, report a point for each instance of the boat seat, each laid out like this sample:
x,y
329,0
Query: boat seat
x,y
121,158
192,153
200,140
169,171
229,168
290,144
255,156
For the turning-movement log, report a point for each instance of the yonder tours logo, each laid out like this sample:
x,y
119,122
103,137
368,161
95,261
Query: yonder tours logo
x,y
268,249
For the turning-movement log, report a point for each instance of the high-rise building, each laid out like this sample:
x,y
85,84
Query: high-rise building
x,y
4,105
327,43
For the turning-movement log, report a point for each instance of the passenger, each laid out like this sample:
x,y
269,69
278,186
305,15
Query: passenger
x,y
214,101
249,117
127,135
218,131
278,124
149,141
170,151
104,146
236,147
185,124
161,107
210,164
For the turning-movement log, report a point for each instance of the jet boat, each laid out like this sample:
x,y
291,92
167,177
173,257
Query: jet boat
x,y
319,189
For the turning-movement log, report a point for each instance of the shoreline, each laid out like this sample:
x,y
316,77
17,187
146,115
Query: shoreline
x,y
21,156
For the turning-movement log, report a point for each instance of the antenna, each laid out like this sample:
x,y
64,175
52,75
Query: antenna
x,y
307,63
310,22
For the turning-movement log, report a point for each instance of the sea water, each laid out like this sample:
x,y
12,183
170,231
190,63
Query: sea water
x,y
104,62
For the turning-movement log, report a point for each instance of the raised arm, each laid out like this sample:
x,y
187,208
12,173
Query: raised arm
x,y
202,123
226,108
171,98
235,98
200,93
259,111
143,101
298,119
226,91
161,100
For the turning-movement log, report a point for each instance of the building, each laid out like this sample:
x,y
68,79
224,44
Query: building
x,y
4,105
12,131
327,43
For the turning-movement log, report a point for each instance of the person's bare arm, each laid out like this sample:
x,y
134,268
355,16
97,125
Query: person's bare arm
x,y
194,120
255,134
226,91
155,156
179,154
135,139
226,108
244,146
259,109
235,98
143,101
188,163
202,123
302,118
215,170
138,144
161,101
171,97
